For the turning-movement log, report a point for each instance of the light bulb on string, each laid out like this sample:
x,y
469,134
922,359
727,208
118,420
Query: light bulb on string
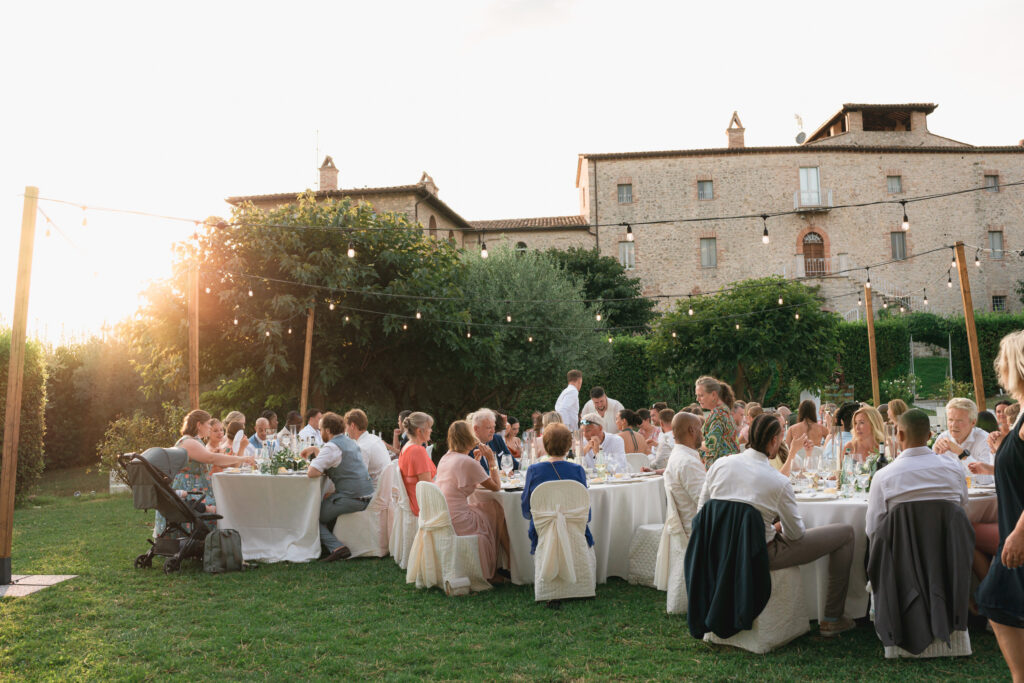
x,y
468,334
674,335
868,283
207,290
797,316
903,308
905,225
885,304
952,259
977,258
483,250
289,330
268,333
346,318
764,235
508,318
351,250
250,292
926,296
419,316
737,326
609,340
405,326
691,305
629,232
780,299
236,321
949,279
860,302
529,339
597,317
331,306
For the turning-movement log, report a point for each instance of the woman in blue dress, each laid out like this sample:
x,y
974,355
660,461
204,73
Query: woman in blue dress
x,y
557,442
195,476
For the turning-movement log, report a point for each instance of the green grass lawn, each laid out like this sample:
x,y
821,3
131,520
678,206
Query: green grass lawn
x,y
360,619
930,373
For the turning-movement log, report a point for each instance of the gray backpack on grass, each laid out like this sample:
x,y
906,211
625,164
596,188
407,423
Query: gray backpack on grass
x,y
222,552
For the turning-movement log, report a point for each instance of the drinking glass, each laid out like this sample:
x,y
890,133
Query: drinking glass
x,y
506,464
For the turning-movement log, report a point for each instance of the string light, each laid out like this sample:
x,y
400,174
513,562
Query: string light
x,y
268,333
885,304
250,292
597,317
468,334
926,296
949,279
289,330
609,340
236,321
419,316
529,339
764,236
868,283
797,316
952,262
780,299
977,258
690,299
737,326
629,232
483,249
405,326
346,318
906,221
508,318
331,307
860,302
673,335
207,290
902,309
351,250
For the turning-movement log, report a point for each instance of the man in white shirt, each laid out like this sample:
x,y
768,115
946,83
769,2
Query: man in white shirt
x,y
684,475
666,440
597,439
963,440
607,409
375,453
917,474
568,403
312,428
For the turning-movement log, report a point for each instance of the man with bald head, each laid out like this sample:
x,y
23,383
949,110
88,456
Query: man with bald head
x,y
262,434
919,473
684,475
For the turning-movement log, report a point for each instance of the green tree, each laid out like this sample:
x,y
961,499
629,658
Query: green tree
x,y
603,277
770,345
33,408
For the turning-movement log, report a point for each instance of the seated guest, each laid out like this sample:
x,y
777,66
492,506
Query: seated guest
x,y
234,440
340,460
1006,417
414,462
896,408
597,440
515,445
271,418
607,409
665,440
835,443
217,442
312,428
293,419
549,418
648,431
684,475
239,442
963,440
739,416
400,436
484,422
867,433
458,475
883,410
917,474
262,434
753,409
375,453
557,442
628,423
748,478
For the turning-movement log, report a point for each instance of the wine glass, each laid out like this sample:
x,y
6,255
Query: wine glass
x,y
506,464
601,464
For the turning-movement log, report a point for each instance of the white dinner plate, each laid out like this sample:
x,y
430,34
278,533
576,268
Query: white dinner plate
x,y
816,497
978,492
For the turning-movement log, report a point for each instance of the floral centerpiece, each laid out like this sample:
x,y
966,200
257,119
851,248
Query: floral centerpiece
x,y
866,471
283,458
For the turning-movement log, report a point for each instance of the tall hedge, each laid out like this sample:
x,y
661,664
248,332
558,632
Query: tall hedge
x,y
33,407
892,343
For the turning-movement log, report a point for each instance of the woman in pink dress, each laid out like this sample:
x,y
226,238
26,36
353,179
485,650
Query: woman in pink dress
x,y
458,475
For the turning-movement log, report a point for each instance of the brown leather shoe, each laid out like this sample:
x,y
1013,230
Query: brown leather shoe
x,y
834,628
340,553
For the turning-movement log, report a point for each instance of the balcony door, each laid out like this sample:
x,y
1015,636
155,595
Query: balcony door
x,y
810,187
814,254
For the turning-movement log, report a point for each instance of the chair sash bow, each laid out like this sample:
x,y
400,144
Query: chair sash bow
x,y
556,552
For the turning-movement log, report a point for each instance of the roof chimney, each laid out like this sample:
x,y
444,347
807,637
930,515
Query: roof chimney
x,y
735,132
328,175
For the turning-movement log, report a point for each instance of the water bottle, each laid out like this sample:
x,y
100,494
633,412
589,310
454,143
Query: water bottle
x,y
849,474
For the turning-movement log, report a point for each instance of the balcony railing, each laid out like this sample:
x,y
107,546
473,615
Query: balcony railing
x,y
812,200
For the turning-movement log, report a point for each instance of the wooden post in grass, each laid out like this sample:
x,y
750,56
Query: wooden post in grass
x,y
15,379
193,336
869,312
303,400
972,332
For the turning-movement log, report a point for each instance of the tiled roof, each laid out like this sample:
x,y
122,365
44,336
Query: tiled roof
x,y
325,194
531,223
786,149
926,107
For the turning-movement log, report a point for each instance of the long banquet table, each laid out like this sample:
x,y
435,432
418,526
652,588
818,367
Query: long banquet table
x,y
616,512
277,516
853,511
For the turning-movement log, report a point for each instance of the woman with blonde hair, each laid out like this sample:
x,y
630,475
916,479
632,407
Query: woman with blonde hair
x,y
458,476
549,418
868,432
414,462
896,408
719,430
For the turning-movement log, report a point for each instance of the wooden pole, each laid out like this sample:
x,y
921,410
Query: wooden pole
x,y
193,337
869,312
972,332
304,399
15,379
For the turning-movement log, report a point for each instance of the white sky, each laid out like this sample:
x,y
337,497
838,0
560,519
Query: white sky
x,y
172,107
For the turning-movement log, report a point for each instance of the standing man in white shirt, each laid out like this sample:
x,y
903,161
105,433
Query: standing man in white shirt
x,y
568,403
597,439
312,428
375,453
607,409
919,473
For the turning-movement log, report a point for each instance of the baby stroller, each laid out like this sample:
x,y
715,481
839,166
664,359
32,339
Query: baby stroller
x,y
150,475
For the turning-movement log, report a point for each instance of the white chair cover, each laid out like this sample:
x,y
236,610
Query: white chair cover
x,y
643,554
637,461
564,565
784,617
403,523
669,570
438,557
959,642
366,533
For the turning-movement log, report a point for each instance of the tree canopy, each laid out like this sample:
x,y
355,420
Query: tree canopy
x,y
603,277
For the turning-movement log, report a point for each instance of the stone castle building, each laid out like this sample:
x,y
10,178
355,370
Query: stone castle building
x,y
864,153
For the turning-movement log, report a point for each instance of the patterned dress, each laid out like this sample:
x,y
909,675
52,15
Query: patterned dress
x,y
194,477
719,435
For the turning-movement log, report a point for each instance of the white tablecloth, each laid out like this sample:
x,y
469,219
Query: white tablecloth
x,y
277,516
854,513
616,511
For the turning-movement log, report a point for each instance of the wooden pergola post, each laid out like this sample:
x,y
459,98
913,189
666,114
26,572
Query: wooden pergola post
x,y
304,398
15,380
193,337
972,332
869,312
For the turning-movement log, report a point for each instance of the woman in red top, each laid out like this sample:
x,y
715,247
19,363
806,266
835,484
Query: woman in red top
x,y
414,462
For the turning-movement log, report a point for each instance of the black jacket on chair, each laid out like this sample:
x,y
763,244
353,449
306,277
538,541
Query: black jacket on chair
x,y
919,565
727,578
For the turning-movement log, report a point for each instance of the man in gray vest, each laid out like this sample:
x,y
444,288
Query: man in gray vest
x,y
349,489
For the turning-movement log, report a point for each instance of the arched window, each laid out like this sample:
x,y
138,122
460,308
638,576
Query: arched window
x,y
814,254
433,228
520,247
451,236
